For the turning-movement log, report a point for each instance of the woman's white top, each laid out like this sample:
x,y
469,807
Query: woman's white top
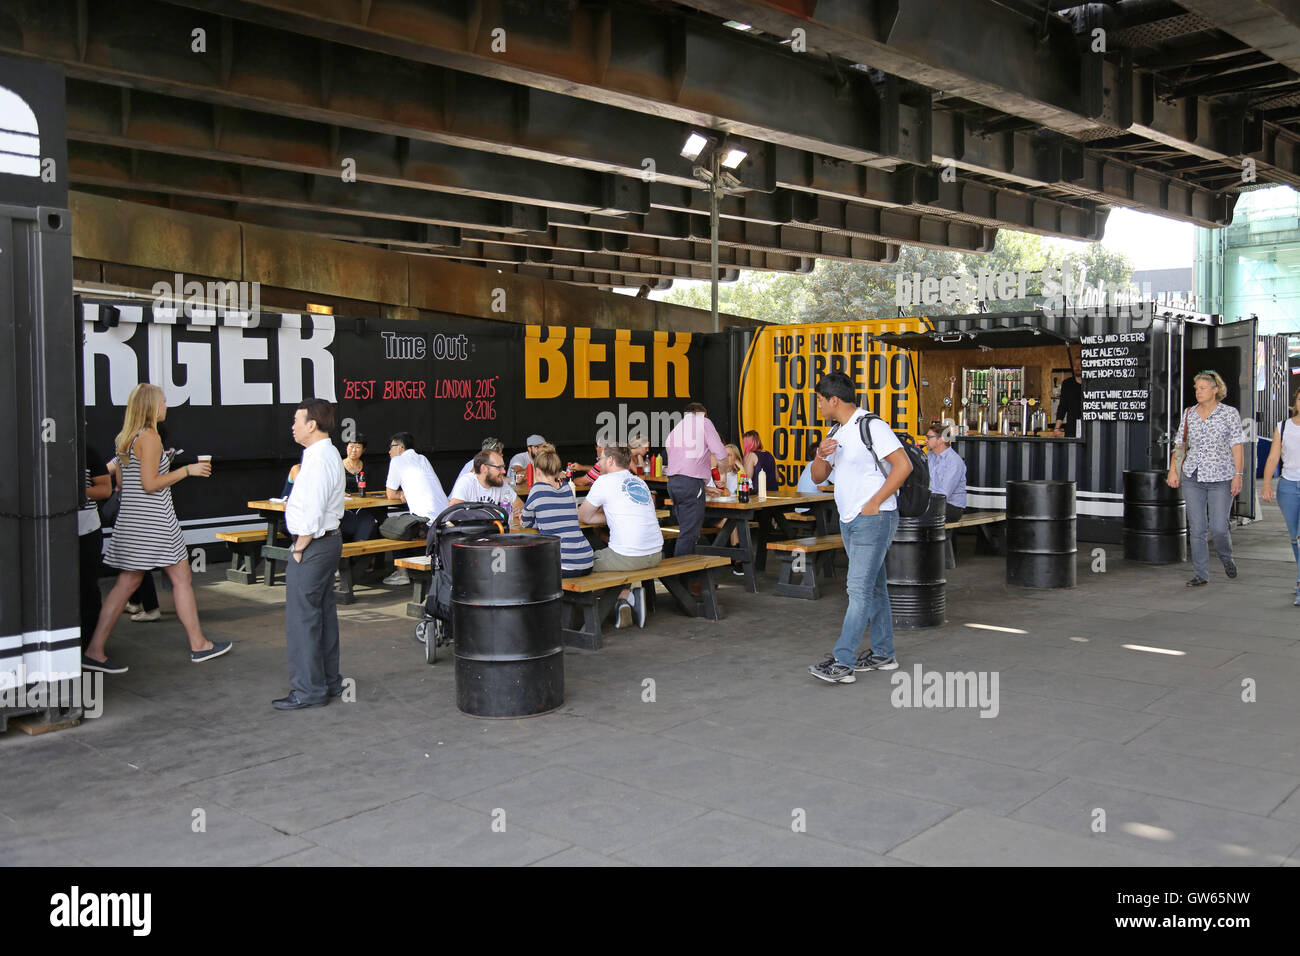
x,y
1290,433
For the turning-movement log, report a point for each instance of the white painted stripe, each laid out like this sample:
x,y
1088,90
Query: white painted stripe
x,y
1095,509
66,660
1077,494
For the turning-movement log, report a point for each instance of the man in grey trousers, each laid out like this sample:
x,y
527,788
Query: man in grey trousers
x,y
312,515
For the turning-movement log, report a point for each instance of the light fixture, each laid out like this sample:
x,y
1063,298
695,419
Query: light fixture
x,y
695,143
317,309
737,25
733,157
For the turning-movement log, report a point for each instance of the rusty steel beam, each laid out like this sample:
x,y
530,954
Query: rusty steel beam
x,y
613,262
625,55
126,119
603,280
1270,26
185,176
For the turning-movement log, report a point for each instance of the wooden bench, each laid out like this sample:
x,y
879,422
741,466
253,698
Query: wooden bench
x,y
245,549
991,533
418,566
360,549
799,576
351,550
593,596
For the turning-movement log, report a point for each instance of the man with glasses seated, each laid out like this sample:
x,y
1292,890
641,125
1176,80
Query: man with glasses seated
x,y
411,480
486,483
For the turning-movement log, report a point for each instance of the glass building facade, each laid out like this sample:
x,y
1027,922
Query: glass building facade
x,y
1252,267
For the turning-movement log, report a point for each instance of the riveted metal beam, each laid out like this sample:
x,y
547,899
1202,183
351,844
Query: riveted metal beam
x,y
634,57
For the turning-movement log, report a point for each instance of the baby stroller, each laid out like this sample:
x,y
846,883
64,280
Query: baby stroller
x,y
465,519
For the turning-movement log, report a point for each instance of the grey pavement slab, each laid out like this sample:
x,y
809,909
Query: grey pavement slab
x,y
975,838
1165,825
721,839
737,739
1197,779
582,809
425,831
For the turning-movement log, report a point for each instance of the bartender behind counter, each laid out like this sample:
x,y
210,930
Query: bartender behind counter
x,y
1070,407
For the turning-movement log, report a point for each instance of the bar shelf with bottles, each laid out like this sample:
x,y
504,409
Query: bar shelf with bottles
x,y
996,402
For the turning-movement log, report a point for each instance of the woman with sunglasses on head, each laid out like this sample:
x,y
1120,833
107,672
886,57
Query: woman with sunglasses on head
x,y
1211,472
1286,452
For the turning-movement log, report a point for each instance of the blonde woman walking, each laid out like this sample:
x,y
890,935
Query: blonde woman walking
x,y
1211,472
147,534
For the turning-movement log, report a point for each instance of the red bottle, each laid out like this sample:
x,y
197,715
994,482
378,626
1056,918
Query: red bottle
x,y
717,478
361,482
528,475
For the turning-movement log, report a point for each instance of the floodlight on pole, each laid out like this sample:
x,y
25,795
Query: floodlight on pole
x,y
694,146
733,157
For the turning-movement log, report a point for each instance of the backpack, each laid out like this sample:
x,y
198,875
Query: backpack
x,y
914,494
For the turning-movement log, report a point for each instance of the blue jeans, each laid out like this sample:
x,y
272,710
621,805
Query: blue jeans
x,y
866,541
1288,499
1216,498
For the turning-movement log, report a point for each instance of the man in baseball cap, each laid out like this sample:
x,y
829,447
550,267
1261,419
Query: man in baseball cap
x,y
522,460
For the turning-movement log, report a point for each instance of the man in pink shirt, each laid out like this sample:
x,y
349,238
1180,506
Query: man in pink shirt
x,y
688,448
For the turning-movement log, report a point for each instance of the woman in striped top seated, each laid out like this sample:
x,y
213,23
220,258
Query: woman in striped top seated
x,y
551,509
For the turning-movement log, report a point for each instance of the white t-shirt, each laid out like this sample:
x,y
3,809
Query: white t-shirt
x,y
629,512
856,476
467,488
1290,449
466,469
411,472
520,461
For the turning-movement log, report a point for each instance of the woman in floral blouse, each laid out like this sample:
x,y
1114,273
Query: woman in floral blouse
x,y
1211,472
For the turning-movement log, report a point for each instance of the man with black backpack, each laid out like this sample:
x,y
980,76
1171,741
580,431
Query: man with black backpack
x,y
866,480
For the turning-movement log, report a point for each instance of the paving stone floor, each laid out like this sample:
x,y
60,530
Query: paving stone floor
x,y
738,748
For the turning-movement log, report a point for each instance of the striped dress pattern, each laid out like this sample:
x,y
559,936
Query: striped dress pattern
x,y
553,511
147,534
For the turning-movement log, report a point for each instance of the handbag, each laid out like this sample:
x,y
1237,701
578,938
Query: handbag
x,y
1180,449
404,527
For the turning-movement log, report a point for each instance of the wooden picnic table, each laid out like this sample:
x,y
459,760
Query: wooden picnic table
x,y
272,509
750,551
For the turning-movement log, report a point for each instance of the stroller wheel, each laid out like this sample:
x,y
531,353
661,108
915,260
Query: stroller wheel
x,y
421,631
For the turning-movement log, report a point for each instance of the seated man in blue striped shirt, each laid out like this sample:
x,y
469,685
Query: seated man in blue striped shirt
x,y
947,472
551,509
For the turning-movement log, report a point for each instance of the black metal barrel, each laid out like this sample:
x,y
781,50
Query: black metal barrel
x,y
1041,540
505,612
914,566
1155,519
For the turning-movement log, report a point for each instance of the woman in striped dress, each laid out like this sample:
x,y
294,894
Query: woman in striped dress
x,y
551,509
147,534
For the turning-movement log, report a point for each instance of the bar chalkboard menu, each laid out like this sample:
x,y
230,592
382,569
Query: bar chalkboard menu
x,y
1116,377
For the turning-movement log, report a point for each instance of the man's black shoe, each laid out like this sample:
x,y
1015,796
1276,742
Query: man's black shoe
x,y
294,702
1230,568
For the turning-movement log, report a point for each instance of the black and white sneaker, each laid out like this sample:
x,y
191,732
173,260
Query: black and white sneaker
x,y
833,672
1230,568
638,605
1197,583
872,661
623,614
737,569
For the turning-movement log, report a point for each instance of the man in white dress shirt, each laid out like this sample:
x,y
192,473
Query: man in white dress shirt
x,y
312,515
411,480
